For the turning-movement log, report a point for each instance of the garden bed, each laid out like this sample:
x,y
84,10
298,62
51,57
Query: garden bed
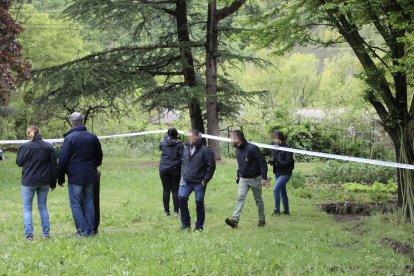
x,y
357,208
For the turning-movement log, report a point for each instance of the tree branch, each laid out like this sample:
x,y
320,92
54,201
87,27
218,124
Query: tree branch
x,y
229,10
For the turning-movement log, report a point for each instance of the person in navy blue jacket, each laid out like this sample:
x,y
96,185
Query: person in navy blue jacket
x,y
80,156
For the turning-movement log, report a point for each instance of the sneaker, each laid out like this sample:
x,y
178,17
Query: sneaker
x,y
199,230
232,222
262,223
29,238
185,228
46,237
286,213
167,214
276,213
176,214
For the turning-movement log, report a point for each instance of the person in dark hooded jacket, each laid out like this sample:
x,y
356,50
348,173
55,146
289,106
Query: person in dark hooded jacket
x,y
170,169
283,165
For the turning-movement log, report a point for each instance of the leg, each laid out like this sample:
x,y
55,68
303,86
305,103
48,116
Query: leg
x,y
27,198
166,189
257,194
174,187
183,195
283,192
42,192
200,192
243,188
75,198
96,201
276,193
87,197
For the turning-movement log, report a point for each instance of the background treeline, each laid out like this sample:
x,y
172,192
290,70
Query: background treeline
x,y
313,94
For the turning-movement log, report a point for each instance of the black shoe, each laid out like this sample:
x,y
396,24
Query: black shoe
x,y
286,213
199,230
262,223
276,213
232,223
185,228
167,214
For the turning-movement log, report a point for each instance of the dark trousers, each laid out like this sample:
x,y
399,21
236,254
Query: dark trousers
x,y
170,184
186,188
96,192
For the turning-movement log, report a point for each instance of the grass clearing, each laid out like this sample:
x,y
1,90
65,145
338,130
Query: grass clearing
x,y
136,238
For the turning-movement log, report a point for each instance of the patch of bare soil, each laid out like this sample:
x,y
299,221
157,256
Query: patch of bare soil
x,y
403,249
355,208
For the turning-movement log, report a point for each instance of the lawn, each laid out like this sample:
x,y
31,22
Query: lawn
x,y
136,238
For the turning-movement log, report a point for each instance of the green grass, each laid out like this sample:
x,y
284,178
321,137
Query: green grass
x,y
136,239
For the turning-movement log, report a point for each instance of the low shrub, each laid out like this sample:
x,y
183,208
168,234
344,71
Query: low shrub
x,y
342,172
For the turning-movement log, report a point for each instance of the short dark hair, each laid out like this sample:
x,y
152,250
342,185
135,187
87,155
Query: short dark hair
x,y
239,133
172,132
278,134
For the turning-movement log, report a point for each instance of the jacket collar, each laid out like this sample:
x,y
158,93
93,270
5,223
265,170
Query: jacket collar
x,y
37,137
78,128
243,144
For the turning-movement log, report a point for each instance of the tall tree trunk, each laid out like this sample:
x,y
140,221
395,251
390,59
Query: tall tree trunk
x,y
187,60
212,46
211,78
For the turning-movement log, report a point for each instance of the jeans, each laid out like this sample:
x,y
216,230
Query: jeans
x,y
280,190
170,184
186,188
84,216
27,197
244,185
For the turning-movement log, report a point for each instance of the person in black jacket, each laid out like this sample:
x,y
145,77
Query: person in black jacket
x,y
38,175
251,174
283,165
170,169
80,156
197,169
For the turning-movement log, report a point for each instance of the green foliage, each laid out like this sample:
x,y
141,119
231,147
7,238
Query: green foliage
x,y
342,172
298,180
389,187
302,193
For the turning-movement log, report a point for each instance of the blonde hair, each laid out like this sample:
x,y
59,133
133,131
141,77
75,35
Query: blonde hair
x,y
31,131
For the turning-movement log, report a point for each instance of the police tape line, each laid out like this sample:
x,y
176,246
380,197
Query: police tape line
x,y
272,147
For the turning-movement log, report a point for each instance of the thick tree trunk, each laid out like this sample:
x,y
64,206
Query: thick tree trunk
x,y
403,144
187,61
211,78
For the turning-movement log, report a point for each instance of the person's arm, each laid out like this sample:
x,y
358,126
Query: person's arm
x,y
262,162
21,156
210,161
99,153
53,168
288,160
63,161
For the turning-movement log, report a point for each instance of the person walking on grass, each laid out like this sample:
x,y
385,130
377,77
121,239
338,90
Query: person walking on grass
x,y
80,156
197,169
283,165
251,174
39,174
170,169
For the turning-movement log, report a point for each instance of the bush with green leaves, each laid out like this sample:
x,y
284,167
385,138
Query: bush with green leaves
x,y
342,172
377,187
